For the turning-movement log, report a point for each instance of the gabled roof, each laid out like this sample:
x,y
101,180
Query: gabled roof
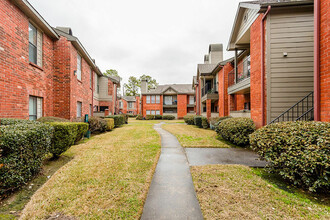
x,y
178,88
32,14
67,33
205,68
115,79
129,98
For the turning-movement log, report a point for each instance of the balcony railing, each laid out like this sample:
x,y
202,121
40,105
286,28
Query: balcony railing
x,y
207,89
243,72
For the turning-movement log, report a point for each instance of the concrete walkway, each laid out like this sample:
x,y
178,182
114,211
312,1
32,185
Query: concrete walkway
x,y
171,194
207,156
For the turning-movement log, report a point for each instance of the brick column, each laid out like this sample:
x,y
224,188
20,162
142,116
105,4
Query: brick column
x,y
208,108
106,112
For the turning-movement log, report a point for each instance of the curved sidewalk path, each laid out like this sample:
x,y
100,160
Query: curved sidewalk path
x,y
172,193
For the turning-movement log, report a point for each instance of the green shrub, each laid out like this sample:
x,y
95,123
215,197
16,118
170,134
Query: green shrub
x,y
82,129
189,119
119,119
65,134
198,121
132,116
139,117
168,117
298,151
205,123
14,121
158,117
125,118
215,121
236,130
52,119
97,124
150,117
110,123
22,149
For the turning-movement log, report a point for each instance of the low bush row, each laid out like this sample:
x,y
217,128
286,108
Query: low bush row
x,y
119,120
156,117
297,151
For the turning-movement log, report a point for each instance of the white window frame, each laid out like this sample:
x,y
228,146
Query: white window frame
x,y
79,64
35,107
153,112
157,112
148,99
148,112
79,109
33,45
153,99
191,99
157,99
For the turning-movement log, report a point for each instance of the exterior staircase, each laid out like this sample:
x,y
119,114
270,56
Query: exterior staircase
x,y
301,111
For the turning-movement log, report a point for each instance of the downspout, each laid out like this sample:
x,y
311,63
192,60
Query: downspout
x,y
224,90
263,66
317,60
92,93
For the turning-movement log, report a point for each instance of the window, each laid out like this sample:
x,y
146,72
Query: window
x,y
130,104
153,99
78,67
148,99
191,100
157,112
97,84
35,107
90,78
168,100
157,99
153,112
120,104
148,112
79,108
32,44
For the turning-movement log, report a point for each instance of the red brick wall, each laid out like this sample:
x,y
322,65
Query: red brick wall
x,y
155,107
124,108
137,105
325,61
255,47
182,105
223,89
208,108
19,79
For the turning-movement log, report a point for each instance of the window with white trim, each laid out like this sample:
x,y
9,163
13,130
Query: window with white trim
x,y
153,112
157,112
157,99
148,99
191,99
130,104
78,67
79,109
153,99
35,107
148,112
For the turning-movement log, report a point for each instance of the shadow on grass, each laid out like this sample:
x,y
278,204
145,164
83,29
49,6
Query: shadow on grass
x,y
278,182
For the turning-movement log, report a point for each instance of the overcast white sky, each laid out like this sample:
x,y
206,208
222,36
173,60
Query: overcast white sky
x,y
164,39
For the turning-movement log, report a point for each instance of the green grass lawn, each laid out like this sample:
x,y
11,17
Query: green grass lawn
x,y
240,192
192,136
108,177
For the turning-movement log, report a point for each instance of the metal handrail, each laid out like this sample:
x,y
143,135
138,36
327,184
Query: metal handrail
x,y
243,72
293,113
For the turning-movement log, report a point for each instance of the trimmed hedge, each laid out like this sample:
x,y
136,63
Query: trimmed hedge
x,y
52,119
14,121
22,149
158,117
198,121
82,129
215,121
125,118
205,123
65,134
119,119
110,123
236,130
139,117
168,117
150,117
298,151
189,119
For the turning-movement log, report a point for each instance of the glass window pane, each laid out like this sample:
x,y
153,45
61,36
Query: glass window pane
x,y
78,109
148,98
32,54
157,99
148,112
78,67
32,34
157,112
153,112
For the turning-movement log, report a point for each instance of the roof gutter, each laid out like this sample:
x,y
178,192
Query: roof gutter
x,y
317,60
263,66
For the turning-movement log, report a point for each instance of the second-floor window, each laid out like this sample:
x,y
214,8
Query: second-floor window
x,y
157,99
148,99
153,99
120,104
78,67
90,78
191,100
32,44
130,105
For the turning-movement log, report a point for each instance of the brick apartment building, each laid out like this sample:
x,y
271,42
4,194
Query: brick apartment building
x,y
280,69
129,105
175,99
45,71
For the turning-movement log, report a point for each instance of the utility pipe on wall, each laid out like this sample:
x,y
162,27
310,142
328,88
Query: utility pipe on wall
x,y
263,66
317,60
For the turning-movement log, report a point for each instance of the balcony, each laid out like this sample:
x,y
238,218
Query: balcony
x,y
209,93
240,83
170,102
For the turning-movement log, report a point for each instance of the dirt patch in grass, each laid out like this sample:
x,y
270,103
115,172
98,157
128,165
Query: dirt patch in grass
x,y
237,192
108,178
191,136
